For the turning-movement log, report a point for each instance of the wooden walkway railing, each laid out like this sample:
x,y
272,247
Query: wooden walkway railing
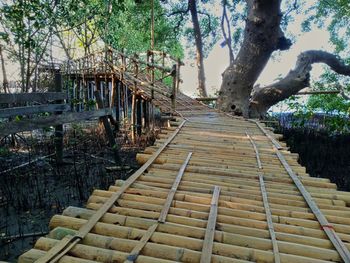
x,y
213,188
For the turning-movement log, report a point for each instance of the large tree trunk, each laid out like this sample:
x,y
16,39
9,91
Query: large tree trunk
x,y
262,36
296,79
192,4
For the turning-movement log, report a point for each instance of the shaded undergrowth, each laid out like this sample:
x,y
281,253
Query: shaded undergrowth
x,y
31,195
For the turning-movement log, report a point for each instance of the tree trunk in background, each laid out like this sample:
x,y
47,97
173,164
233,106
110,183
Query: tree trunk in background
x,y
192,4
5,83
262,36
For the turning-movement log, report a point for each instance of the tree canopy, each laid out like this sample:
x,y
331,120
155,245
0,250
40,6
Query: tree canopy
x,y
253,30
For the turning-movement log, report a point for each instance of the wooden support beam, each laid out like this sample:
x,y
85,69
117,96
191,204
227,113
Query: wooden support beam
x,y
173,189
207,99
10,112
255,150
67,243
132,257
313,92
58,128
38,123
318,92
108,128
145,109
139,116
31,97
118,87
276,253
327,228
211,225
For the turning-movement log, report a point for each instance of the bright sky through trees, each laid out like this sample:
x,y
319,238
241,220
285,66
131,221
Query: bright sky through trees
x,y
282,63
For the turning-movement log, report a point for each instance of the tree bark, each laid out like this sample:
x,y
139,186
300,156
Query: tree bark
x,y
296,79
5,83
262,36
228,35
192,4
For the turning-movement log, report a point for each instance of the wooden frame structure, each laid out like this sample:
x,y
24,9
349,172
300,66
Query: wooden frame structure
x,y
132,85
260,214
213,188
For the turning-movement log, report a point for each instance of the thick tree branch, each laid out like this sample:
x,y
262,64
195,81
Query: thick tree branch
x,y
296,79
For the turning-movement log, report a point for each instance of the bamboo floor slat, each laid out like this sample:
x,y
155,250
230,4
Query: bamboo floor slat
x,y
213,188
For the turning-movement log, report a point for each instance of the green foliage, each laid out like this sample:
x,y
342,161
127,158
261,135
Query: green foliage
x,y
4,151
335,15
179,15
28,29
90,104
130,29
335,111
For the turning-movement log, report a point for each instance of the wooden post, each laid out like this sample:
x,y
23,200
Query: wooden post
x,y
133,103
58,128
152,122
126,103
139,116
108,128
114,92
117,102
77,94
173,92
152,75
146,114
133,114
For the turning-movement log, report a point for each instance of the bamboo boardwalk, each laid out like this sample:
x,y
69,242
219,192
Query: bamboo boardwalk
x,y
213,188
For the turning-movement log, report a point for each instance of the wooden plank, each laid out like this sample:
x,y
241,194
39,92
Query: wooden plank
x,y
327,228
318,92
163,214
207,99
59,132
210,231
131,258
273,140
42,122
170,197
9,112
108,128
255,150
276,253
86,228
139,116
31,97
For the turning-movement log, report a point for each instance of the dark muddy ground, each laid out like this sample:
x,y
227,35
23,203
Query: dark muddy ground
x,y
323,155
31,195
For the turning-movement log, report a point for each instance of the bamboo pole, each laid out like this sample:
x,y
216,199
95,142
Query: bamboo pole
x,y
34,254
190,238
126,245
283,214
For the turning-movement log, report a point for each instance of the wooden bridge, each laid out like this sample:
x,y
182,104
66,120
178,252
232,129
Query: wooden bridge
x,y
213,188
